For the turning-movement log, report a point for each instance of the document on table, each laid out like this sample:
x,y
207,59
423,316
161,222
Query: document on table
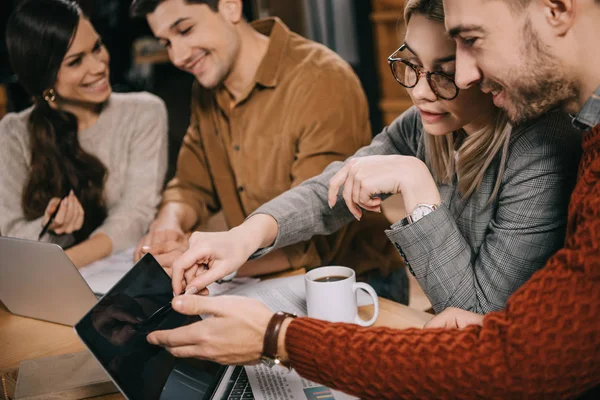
x,y
277,383
285,294
280,384
102,275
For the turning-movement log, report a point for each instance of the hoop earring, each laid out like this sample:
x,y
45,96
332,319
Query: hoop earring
x,y
49,95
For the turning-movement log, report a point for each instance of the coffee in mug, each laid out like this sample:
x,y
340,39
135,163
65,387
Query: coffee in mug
x,y
331,278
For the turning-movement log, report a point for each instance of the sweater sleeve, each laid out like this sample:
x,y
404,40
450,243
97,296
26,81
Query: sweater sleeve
x,y
129,218
14,170
526,229
544,344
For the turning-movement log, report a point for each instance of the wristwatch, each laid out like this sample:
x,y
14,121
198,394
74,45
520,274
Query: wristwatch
x,y
269,355
418,212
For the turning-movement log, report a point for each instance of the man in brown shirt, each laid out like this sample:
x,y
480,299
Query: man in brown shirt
x,y
270,109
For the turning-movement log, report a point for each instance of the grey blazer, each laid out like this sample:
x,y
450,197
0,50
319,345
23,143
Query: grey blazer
x,y
465,254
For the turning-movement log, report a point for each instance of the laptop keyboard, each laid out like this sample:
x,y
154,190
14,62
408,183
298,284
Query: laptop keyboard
x,y
241,388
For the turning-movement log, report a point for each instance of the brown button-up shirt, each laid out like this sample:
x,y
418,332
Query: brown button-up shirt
x,y
304,110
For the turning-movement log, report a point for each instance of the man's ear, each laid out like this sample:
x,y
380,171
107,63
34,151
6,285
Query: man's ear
x,y
559,14
231,10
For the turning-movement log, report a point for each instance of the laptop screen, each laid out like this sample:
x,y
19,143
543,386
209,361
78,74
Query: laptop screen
x,y
115,331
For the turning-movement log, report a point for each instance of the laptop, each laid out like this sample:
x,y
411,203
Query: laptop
x,y
115,331
38,280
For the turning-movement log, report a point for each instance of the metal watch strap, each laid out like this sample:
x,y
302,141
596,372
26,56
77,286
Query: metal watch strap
x,y
272,334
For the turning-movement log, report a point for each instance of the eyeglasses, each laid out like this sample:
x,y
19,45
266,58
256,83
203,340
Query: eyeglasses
x,y
408,75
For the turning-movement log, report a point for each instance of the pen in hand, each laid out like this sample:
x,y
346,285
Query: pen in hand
x,y
50,220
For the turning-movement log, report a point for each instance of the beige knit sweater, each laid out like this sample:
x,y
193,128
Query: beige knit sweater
x,y
130,138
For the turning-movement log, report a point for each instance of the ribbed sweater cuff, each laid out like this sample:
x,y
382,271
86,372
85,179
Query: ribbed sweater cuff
x,y
303,337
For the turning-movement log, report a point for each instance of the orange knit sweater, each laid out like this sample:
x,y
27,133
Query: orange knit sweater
x,y
546,343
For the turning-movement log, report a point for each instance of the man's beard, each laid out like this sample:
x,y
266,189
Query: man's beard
x,y
536,87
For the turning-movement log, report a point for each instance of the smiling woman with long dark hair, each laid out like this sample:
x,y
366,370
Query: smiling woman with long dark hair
x,y
96,158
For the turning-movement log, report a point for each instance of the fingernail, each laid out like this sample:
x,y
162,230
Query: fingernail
x,y
71,192
329,203
192,290
178,302
150,339
146,248
357,217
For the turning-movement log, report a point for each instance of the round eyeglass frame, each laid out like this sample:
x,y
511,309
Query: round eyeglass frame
x,y
419,71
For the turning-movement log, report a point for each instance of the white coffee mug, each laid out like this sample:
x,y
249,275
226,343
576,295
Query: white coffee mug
x,y
335,301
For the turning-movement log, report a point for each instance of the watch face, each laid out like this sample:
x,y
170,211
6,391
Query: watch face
x,y
420,211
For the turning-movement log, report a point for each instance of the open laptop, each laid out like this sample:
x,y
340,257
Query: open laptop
x,y
38,280
115,331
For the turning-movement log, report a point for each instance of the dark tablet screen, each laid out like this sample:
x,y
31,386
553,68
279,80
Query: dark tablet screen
x,y
115,331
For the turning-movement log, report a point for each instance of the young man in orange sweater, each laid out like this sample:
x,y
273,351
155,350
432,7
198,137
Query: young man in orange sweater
x,y
533,55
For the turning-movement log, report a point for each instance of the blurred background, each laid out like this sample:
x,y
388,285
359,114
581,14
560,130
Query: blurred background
x,y
363,32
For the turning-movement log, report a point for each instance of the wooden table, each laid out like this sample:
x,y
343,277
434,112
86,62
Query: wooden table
x,y
25,338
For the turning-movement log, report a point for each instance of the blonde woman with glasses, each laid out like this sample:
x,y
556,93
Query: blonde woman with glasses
x,y
486,202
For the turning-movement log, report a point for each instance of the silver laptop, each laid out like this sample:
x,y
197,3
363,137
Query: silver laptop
x,y
38,280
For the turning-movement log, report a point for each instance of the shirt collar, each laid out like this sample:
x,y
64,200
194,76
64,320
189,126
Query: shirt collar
x,y
589,116
269,72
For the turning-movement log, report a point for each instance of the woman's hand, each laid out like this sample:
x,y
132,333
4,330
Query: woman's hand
x,y
234,334
70,214
212,256
454,318
364,178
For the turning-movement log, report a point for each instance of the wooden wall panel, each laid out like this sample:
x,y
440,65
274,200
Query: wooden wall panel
x,y
3,100
389,31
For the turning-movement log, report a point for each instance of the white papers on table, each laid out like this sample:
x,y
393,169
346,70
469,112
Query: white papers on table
x,y
103,274
279,384
216,289
284,294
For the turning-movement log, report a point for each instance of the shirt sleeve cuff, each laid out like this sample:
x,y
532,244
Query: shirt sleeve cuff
x,y
417,239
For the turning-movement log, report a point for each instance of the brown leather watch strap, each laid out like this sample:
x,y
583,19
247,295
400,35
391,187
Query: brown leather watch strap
x,y
272,334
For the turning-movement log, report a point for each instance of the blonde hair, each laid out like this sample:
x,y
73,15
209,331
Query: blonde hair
x,y
476,151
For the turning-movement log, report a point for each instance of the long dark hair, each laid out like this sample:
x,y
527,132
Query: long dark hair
x,y
38,35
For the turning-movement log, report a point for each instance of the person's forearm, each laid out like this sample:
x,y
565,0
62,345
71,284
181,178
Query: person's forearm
x,y
88,251
271,263
177,216
257,232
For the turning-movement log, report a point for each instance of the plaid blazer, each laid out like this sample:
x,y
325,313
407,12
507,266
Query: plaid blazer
x,y
465,254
